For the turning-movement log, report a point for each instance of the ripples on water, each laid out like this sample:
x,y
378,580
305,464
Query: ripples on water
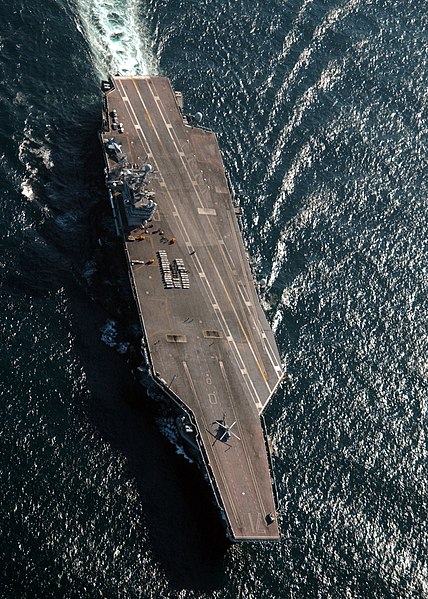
x,y
320,108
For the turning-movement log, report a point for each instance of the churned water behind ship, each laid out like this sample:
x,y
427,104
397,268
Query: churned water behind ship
x,y
321,112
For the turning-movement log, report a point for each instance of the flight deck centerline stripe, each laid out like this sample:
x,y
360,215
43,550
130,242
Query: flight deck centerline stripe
x,y
239,321
147,113
172,133
244,266
260,332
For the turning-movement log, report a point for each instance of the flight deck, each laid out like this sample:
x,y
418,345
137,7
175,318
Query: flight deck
x,y
206,340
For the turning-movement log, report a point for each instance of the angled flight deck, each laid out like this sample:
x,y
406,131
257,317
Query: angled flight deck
x,y
206,339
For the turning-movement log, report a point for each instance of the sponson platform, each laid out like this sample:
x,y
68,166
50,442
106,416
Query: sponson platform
x,y
206,341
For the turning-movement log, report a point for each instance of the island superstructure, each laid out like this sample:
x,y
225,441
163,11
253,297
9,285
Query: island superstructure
x,y
206,342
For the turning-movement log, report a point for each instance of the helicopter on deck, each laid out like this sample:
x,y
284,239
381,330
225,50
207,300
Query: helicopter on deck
x,y
223,432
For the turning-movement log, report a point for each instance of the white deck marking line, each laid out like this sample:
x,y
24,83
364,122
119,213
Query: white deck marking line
x,y
147,112
250,518
258,403
262,337
245,269
225,328
277,384
239,321
206,426
243,291
208,290
140,134
227,253
277,365
179,151
259,517
273,353
207,211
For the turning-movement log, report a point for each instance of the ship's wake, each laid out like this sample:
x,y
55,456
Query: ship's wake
x,y
117,36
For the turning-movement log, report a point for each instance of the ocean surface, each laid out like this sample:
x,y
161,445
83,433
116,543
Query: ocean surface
x,y
321,112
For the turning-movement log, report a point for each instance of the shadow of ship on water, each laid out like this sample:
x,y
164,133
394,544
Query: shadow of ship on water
x,y
185,530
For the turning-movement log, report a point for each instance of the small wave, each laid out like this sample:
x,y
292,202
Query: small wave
x,y
109,337
31,153
117,38
89,270
67,221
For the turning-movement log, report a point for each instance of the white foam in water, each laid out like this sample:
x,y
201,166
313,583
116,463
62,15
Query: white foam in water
x,y
117,36
109,337
168,428
27,190
27,149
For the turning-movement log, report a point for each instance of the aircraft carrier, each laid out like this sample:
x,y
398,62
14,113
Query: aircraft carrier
x,y
206,342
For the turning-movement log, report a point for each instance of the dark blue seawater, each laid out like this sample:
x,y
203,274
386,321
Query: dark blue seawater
x,y
321,112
